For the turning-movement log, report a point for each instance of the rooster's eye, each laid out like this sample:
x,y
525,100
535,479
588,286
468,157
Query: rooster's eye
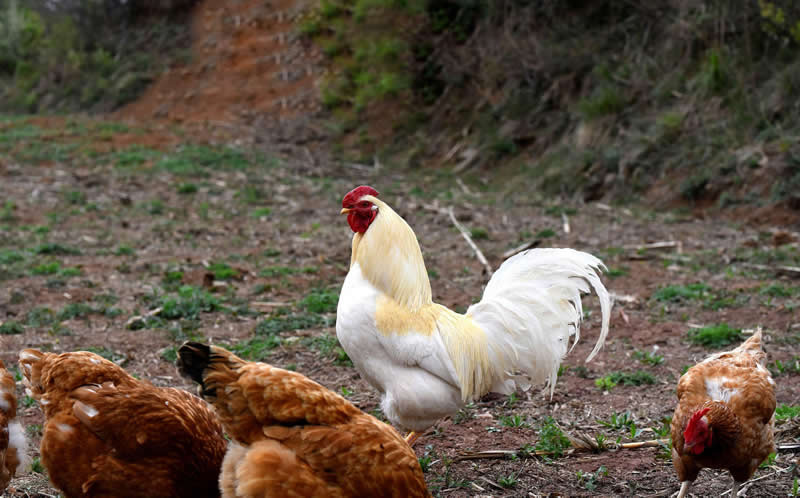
x,y
365,204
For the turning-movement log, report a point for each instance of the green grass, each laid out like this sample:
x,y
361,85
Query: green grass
x,y
187,188
552,438
11,328
785,412
320,301
282,271
514,421
277,323
188,303
40,317
636,378
198,160
55,249
648,357
479,233
679,293
328,345
124,250
715,336
257,348
74,310
222,271
169,354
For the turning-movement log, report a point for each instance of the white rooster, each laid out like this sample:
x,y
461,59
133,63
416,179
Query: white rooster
x,y
428,361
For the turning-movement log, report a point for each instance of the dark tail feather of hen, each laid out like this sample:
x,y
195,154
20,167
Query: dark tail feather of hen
x,y
193,359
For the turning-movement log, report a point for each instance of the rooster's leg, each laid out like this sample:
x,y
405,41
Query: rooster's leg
x,y
412,436
684,489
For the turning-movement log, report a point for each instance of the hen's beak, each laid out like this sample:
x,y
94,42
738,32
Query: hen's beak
x,y
345,210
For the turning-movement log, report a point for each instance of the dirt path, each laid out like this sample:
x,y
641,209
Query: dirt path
x,y
103,222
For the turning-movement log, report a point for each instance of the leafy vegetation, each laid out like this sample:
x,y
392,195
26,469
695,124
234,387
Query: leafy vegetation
x,y
715,336
552,438
784,411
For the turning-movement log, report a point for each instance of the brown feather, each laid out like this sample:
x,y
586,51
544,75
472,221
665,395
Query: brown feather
x,y
742,426
109,434
297,438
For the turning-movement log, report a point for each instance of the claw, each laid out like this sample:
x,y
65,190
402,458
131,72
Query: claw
x,y
411,438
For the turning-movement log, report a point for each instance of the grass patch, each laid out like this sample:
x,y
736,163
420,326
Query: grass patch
x,y
256,348
328,345
282,271
188,303
320,301
715,336
679,293
278,323
648,357
785,412
11,328
55,249
613,379
552,438
118,358
222,271
197,160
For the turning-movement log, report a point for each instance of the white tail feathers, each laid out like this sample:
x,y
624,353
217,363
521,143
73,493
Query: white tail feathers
x,y
531,307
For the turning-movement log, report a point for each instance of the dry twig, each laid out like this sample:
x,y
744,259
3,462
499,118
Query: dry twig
x,y
468,238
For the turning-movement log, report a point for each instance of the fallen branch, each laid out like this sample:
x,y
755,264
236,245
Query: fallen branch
x,y
565,222
468,238
522,247
577,445
789,447
749,483
791,271
665,244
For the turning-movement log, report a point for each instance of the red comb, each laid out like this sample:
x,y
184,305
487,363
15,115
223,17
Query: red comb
x,y
357,193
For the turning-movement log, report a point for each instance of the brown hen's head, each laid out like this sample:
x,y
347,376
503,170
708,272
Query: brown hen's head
x,y
360,212
697,436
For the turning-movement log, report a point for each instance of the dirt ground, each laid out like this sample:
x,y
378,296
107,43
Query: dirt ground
x,y
101,223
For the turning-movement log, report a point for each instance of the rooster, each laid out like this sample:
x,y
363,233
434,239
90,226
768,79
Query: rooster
x,y
13,445
294,438
108,434
428,361
724,418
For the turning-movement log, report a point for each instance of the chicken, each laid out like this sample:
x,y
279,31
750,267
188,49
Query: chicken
x,y
724,418
295,438
14,456
428,361
107,434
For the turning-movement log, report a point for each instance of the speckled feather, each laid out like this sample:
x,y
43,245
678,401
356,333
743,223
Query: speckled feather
x,y
109,434
297,438
740,393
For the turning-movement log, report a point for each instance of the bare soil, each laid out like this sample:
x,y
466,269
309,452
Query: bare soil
x,y
275,223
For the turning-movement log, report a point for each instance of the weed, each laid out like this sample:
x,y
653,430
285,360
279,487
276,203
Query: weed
x,y
36,466
169,354
222,271
124,250
552,438
28,401
665,428
187,188
195,160
257,348
785,412
479,233
40,317
278,271
74,310
55,249
427,458
277,323
261,212
320,301
605,383
514,421
714,336
512,399
34,430
189,303
618,272
508,481
589,480
546,233
346,391
618,421
76,197
50,268
329,345
11,328
8,257
777,290
636,378
648,357
678,293
770,461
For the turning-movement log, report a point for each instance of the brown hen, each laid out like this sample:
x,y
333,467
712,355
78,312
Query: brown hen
x,y
724,418
294,437
107,434
13,445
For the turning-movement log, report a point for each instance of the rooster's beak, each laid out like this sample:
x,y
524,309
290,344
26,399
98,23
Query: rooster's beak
x,y
345,210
